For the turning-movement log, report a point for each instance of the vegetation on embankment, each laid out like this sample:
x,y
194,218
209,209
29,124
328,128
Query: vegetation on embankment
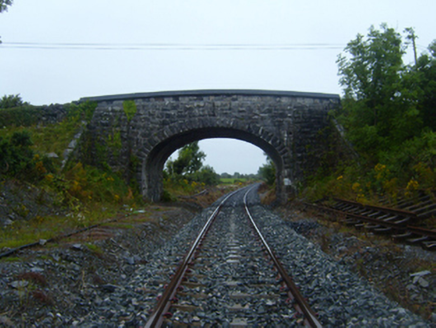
x,y
389,115
39,196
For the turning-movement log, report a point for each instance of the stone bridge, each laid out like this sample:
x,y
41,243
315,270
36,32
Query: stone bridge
x,y
136,133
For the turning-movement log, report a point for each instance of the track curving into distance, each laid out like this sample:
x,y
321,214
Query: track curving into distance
x,y
231,275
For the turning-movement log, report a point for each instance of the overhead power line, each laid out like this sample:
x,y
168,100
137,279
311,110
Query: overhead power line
x,y
170,46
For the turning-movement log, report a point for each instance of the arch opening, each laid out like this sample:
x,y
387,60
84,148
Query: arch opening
x,y
229,156
153,165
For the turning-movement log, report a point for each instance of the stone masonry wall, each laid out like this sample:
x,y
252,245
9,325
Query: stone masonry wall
x,y
285,125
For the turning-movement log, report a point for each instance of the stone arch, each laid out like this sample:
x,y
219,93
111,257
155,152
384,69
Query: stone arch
x,y
287,125
156,150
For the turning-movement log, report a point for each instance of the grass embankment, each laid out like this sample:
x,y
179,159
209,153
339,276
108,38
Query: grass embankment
x,y
237,181
53,138
78,195
83,195
22,232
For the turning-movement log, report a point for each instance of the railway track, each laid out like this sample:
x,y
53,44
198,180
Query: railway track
x,y
402,223
230,280
230,276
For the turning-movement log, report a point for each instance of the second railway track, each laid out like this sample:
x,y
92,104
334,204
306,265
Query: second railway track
x,y
401,224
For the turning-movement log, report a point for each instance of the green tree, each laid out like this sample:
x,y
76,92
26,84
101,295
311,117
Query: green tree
x,y
207,175
388,110
11,101
268,172
189,160
372,71
4,5
380,94
426,80
189,165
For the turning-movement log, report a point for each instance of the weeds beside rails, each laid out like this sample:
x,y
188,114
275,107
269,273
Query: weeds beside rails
x,y
42,242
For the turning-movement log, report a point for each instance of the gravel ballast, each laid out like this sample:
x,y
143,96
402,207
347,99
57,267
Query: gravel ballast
x,y
61,290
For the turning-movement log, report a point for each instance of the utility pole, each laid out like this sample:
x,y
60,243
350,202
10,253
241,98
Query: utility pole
x,y
412,37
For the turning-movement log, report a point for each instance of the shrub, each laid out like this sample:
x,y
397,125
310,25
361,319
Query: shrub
x,y
11,101
15,154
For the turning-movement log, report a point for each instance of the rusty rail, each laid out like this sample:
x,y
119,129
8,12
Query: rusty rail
x,y
378,208
397,225
156,319
300,305
164,303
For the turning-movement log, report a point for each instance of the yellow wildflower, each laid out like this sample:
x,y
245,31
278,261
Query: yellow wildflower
x,y
412,185
356,186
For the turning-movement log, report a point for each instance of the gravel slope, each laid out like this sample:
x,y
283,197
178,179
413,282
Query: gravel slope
x,y
61,285
404,273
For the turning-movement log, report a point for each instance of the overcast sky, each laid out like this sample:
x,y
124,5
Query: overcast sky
x,y
57,51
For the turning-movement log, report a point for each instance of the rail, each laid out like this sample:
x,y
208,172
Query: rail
x,y
157,318
384,220
301,304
